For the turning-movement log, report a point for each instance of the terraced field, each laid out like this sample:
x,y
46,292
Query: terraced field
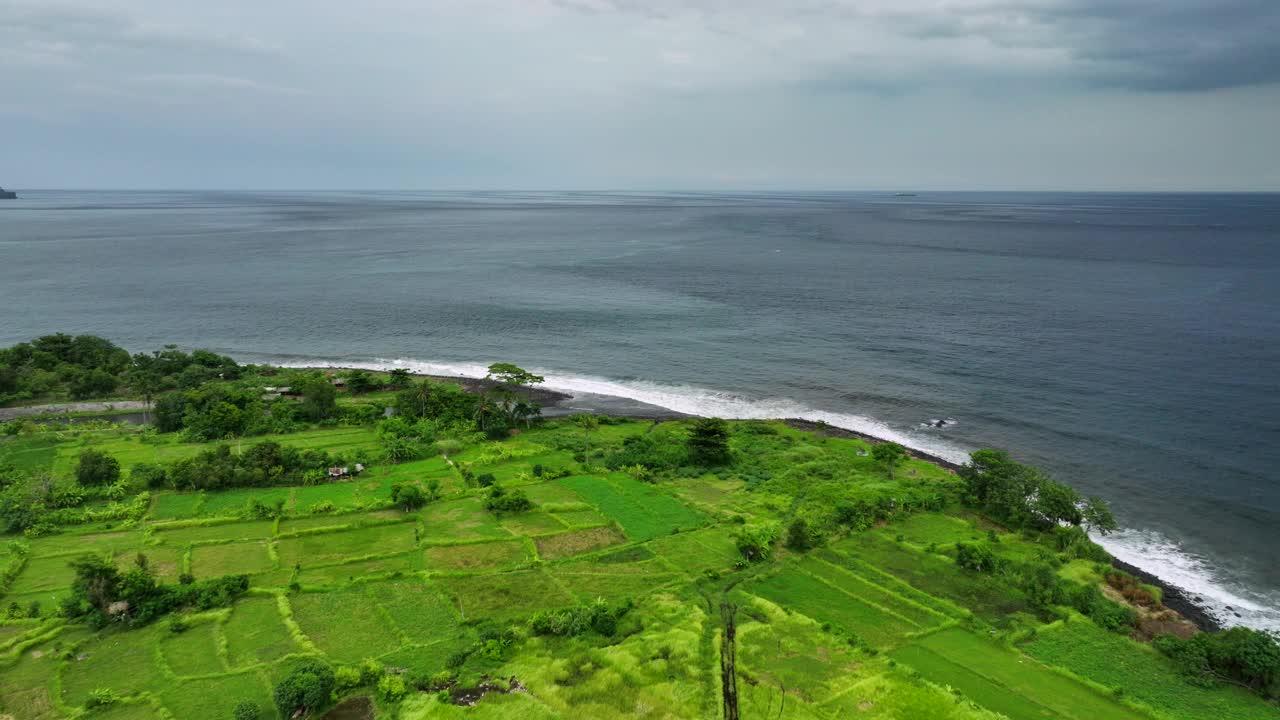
x,y
874,625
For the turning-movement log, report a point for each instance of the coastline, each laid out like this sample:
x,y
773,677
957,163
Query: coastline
x,y
560,404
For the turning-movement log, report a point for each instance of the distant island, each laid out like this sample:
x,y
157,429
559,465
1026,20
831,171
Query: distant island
x,y
8,194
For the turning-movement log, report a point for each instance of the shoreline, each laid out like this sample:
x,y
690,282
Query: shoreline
x,y
556,404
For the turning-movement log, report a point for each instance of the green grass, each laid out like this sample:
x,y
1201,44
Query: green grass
x,y
504,596
242,558
1118,662
577,542
122,660
476,557
867,626
416,609
194,651
805,594
255,633
640,509
963,660
331,548
215,697
347,625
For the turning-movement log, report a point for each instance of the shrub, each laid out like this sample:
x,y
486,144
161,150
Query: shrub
x,y
800,536
308,688
149,475
346,677
486,480
598,616
246,710
101,697
501,500
97,468
324,507
755,542
408,496
709,442
391,688
977,557
1239,655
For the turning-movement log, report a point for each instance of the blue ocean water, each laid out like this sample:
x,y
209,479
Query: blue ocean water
x,y
1130,343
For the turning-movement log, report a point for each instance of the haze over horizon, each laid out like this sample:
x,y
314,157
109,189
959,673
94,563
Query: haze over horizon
x,y
628,95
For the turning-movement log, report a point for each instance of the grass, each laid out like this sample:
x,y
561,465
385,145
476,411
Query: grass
x,y
473,557
808,595
194,651
242,558
255,634
1115,661
504,596
642,511
963,660
577,542
331,548
347,625
869,626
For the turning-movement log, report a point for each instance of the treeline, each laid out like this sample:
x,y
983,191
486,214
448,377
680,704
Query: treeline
x,y
101,593
83,367
260,465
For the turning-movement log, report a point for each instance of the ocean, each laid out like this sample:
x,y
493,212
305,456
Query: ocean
x,y
1127,343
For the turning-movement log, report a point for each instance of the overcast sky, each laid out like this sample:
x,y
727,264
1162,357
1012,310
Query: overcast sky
x,y
631,94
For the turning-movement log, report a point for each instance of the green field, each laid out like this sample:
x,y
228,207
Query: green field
x,y
874,624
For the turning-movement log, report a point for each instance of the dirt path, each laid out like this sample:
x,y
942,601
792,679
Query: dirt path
x,y
76,407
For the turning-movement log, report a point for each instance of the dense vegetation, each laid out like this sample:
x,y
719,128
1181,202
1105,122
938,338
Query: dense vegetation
x,y
490,564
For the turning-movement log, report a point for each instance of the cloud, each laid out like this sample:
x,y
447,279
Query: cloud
x,y
1160,45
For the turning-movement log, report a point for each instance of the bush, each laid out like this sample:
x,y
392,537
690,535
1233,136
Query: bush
x,y
486,480
391,688
246,710
307,689
97,469
598,616
501,500
709,442
800,536
977,557
149,475
1239,655
755,542
408,496
346,677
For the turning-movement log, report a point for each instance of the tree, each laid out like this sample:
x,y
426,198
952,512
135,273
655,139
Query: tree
x,y
1058,503
977,557
319,398
588,423
96,581
755,542
94,383
800,536
360,382
170,411
708,442
408,496
888,454
96,469
1098,517
247,710
399,379
305,690
512,375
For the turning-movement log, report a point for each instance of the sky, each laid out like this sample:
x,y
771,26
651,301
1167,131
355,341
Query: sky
x,y
641,94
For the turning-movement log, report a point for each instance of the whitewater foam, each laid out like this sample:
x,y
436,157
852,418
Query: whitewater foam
x,y
1227,602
